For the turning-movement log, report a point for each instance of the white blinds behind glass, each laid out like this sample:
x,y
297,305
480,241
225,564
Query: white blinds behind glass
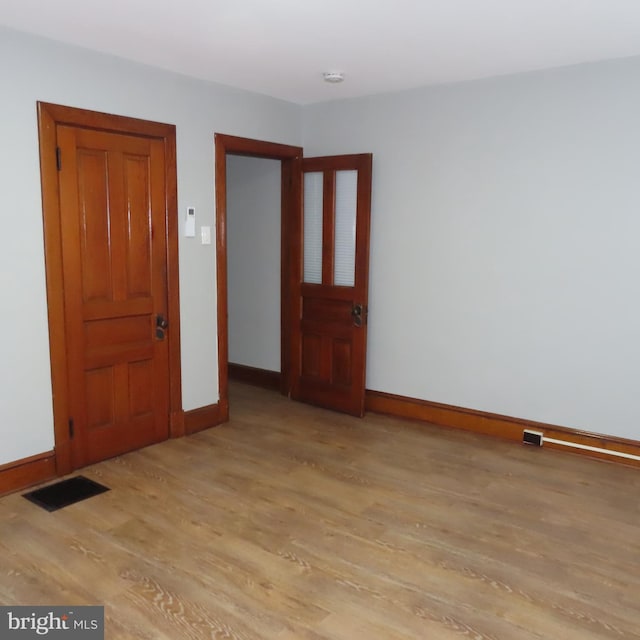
x,y
345,230
313,227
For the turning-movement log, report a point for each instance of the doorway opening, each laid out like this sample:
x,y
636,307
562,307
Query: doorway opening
x,y
253,269
289,158
324,273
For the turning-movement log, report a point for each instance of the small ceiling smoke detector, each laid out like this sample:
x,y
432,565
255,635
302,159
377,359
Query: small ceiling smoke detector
x,y
333,76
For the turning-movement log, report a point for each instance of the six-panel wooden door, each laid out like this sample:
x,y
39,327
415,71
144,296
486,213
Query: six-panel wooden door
x,y
113,221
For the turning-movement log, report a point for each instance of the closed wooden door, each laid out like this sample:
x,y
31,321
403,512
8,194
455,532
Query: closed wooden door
x,y
330,300
113,234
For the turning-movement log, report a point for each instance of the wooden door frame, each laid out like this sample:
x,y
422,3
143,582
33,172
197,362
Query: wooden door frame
x,y
49,117
290,252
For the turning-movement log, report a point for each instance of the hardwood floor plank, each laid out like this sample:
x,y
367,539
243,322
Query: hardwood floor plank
x,y
295,523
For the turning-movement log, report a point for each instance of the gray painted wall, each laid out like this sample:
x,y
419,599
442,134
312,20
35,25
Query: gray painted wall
x,y
253,261
36,69
505,241
504,234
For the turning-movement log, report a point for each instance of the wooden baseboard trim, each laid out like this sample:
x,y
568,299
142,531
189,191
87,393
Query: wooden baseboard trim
x,y
203,418
257,377
21,474
502,426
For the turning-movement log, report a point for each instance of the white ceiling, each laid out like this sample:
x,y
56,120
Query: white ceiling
x,y
282,47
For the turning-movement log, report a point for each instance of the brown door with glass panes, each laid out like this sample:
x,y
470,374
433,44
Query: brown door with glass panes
x,y
329,341
113,233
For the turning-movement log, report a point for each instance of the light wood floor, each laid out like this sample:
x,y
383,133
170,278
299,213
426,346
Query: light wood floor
x,y
292,522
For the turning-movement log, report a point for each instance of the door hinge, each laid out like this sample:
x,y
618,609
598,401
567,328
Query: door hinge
x,y
59,158
71,428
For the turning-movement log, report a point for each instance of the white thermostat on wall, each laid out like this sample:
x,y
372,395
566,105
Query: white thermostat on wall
x,y
190,223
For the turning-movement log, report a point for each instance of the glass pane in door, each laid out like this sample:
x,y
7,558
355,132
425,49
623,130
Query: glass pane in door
x,y
344,267
312,248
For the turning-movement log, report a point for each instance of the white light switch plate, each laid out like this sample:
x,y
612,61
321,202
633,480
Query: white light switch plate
x,y
205,234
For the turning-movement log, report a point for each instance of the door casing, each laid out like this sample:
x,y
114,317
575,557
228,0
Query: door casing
x,y
49,117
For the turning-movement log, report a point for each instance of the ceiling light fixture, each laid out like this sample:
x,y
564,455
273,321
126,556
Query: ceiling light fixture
x,y
333,76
